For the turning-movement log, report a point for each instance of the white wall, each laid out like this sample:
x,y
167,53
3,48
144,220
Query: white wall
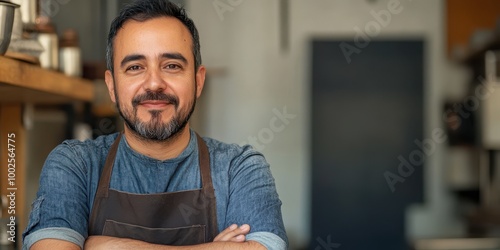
x,y
259,78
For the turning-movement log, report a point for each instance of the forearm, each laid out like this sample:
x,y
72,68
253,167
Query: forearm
x,y
111,243
54,244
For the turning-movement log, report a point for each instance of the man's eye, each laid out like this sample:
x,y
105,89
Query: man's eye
x,y
172,66
133,68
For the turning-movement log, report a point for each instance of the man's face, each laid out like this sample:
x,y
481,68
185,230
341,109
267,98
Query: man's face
x,y
154,85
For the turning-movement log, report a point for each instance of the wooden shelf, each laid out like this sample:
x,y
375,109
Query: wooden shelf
x,y
104,110
24,82
21,82
474,55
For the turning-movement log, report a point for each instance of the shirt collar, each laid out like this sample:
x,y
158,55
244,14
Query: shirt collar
x,y
192,145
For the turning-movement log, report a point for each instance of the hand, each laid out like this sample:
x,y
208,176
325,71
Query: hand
x,y
233,233
98,242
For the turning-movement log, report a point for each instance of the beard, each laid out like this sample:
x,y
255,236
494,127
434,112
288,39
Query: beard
x,y
155,129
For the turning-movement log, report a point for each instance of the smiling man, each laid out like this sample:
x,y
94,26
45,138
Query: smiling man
x,y
156,185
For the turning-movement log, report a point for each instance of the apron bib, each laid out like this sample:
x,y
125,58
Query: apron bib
x,y
172,218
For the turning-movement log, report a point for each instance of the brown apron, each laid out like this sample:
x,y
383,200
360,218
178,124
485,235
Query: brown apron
x,y
176,218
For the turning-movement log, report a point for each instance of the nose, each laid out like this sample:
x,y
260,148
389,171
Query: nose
x,y
155,81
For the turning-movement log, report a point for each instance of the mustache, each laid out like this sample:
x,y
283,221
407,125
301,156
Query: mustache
x,y
155,96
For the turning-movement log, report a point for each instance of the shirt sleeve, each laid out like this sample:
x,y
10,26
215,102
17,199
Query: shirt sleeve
x,y
59,233
253,198
269,240
60,209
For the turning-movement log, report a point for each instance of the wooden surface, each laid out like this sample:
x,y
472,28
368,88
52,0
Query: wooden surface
x,y
24,82
476,55
464,17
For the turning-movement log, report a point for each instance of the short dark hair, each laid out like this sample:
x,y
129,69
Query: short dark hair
x,y
143,10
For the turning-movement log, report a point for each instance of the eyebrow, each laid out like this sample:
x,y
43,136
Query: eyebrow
x,y
137,57
177,56
133,57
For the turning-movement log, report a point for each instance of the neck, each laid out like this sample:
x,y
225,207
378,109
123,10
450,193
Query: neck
x,y
160,150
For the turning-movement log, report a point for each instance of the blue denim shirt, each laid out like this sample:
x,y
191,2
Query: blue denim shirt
x,y
244,187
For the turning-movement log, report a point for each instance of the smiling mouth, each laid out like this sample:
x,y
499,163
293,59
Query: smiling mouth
x,y
155,101
155,104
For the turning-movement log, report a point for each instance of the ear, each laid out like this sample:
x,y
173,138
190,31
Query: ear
x,y
200,80
110,83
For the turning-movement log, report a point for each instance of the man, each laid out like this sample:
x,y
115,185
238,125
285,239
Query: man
x,y
157,185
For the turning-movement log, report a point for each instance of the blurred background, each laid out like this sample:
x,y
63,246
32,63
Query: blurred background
x,y
380,118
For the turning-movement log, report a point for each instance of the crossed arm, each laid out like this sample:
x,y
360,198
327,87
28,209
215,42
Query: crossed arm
x,y
232,237
250,177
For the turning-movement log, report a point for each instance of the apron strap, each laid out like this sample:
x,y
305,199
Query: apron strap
x,y
204,161
105,178
103,187
207,189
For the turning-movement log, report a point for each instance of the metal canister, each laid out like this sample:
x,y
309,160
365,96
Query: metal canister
x,y
69,54
29,10
47,36
27,13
